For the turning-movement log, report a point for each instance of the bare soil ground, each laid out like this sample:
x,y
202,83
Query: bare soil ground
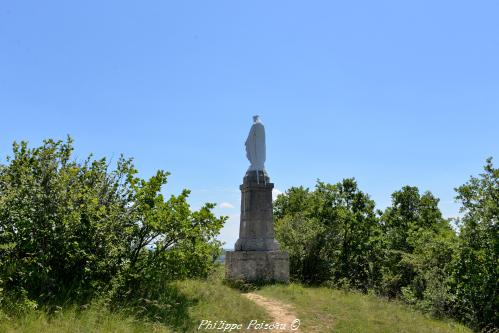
x,y
281,312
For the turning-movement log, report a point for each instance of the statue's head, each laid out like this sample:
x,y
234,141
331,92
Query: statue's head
x,y
256,118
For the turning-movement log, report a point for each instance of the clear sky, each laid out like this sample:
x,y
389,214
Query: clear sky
x,y
392,93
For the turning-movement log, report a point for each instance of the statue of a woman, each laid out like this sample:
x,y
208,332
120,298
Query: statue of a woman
x,y
255,145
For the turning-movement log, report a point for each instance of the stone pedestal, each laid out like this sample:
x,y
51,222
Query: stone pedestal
x,y
257,256
257,265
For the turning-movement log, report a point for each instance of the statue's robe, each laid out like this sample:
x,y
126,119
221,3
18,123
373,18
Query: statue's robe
x,y
255,147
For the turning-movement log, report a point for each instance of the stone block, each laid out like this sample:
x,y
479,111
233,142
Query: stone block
x,y
257,266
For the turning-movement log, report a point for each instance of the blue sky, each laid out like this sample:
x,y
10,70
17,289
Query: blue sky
x,y
391,92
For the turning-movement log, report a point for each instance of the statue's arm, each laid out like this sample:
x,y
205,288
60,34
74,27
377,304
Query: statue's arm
x,y
250,135
248,144
264,148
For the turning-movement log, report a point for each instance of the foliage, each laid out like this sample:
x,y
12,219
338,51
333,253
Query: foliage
x,y
410,252
330,233
420,246
70,230
300,236
477,268
431,263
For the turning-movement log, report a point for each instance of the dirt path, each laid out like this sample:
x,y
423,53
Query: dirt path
x,y
281,312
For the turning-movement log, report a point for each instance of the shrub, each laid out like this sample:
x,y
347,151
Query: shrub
x,y
331,234
476,272
68,229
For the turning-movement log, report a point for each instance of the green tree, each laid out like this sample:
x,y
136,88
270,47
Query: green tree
x,y
477,269
300,234
331,234
301,237
68,228
419,250
296,200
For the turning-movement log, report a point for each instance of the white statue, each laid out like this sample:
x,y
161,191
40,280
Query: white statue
x,y
255,145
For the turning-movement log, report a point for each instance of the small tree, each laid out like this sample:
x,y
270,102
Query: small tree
x,y
68,228
477,268
331,234
410,218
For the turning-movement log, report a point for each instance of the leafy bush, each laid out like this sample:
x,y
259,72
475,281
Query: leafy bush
x,y
299,235
330,233
70,229
476,272
419,251
409,252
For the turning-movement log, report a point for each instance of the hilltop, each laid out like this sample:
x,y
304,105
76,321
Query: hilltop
x,y
185,304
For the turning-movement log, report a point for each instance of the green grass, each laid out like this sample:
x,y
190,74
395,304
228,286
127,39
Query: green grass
x,y
94,319
319,309
216,301
326,310
191,301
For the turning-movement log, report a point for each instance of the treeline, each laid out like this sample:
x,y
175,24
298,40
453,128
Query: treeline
x,y
72,231
409,251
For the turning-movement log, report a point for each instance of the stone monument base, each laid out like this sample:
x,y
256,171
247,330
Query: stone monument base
x,y
255,266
